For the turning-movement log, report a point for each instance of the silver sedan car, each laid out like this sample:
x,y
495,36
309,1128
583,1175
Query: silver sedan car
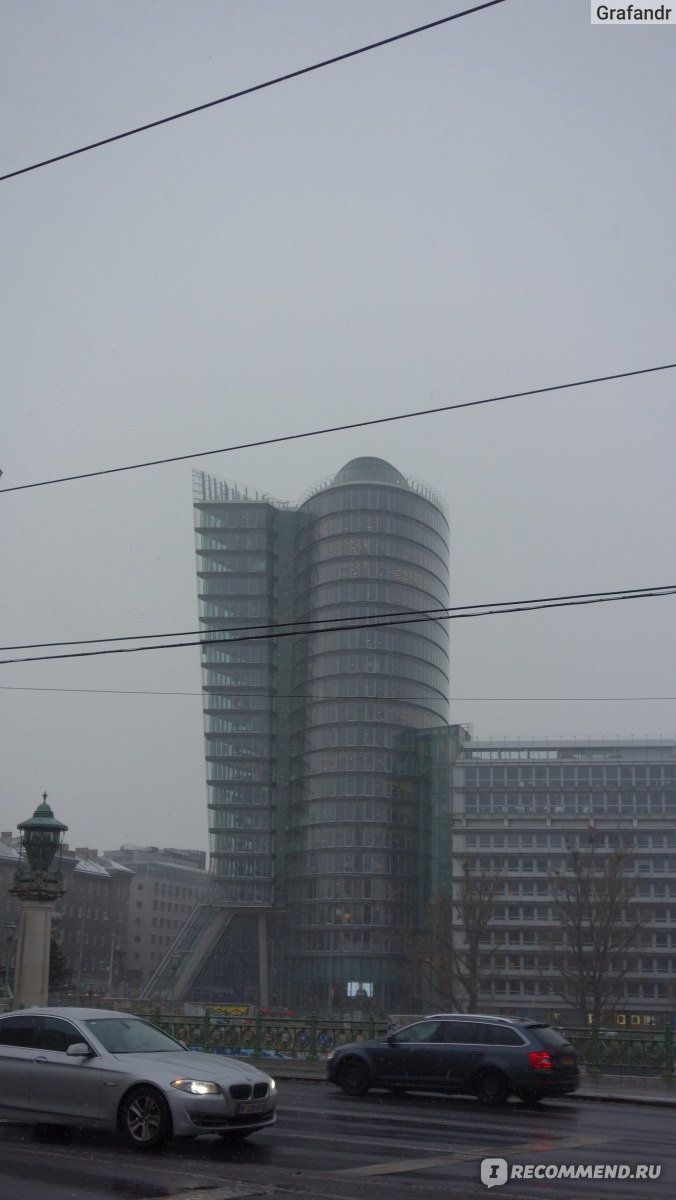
x,y
107,1070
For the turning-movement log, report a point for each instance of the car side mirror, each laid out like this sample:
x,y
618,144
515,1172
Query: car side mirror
x,y
79,1050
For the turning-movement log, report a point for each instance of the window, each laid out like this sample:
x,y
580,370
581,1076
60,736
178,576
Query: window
x,y
17,1031
57,1034
460,1032
502,1035
424,1031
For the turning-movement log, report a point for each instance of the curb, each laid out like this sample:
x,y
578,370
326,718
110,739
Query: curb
x,y
314,1074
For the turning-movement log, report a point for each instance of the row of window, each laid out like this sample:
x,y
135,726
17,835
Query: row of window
x,y
320,787
305,941
629,838
233,516
337,761
386,596
397,501
400,639
430,704
245,702
257,818
320,838
234,585
500,805
237,611
382,524
230,541
258,843
354,812
256,723
397,666
359,862
221,797
327,713
370,546
238,676
255,772
564,777
249,892
232,868
348,888
242,746
391,569
539,987
232,564
237,652
354,734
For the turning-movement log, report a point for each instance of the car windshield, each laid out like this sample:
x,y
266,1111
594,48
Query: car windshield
x,y
128,1035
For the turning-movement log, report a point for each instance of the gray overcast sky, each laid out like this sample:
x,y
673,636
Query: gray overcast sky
x,y
486,207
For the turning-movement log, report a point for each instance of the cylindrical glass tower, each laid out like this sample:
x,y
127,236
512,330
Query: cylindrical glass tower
x,y
370,543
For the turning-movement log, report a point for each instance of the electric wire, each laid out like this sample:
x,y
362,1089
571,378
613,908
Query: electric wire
x,y
367,624
381,699
292,437
258,87
433,613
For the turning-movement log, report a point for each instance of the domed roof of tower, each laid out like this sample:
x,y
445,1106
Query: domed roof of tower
x,y
370,470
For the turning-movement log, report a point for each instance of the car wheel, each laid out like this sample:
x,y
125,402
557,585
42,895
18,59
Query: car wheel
x,y
353,1077
492,1088
145,1120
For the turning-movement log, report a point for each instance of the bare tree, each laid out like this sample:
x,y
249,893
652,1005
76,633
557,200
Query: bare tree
x,y
597,927
446,962
428,955
475,909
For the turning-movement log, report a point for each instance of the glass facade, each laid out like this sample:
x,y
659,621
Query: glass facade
x,y
236,560
311,777
367,544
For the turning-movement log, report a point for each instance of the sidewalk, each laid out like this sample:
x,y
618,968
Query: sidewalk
x,y
618,1089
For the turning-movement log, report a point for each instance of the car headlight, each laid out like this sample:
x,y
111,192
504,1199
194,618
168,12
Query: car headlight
x,y
196,1087
273,1086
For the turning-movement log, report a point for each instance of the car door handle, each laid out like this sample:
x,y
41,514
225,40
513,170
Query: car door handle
x,y
41,1058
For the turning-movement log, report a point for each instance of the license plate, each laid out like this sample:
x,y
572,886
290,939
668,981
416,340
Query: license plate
x,y
566,1060
250,1106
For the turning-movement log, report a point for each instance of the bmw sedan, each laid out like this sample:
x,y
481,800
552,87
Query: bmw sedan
x,y
108,1070
491,1057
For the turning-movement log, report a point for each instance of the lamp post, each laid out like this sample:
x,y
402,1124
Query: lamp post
x,y
37,884
111,964
9,931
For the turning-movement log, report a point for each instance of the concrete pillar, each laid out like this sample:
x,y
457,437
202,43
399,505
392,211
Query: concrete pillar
x,y
31,979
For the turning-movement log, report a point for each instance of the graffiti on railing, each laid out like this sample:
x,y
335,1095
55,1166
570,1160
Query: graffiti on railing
x,y
599,1051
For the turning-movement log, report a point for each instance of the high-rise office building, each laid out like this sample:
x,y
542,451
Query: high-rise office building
x,y
320,847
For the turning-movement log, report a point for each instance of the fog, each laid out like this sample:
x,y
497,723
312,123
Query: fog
x,y
481,209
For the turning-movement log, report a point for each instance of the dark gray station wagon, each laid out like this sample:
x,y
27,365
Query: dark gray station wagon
x,y
490,1057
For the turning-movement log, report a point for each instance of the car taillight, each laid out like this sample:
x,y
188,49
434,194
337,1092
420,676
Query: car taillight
x,y
540,1060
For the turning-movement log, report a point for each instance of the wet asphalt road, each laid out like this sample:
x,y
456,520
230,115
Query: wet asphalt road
x,y
328,1147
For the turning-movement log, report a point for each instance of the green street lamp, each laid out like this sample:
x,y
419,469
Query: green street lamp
x,y
37,885
41,838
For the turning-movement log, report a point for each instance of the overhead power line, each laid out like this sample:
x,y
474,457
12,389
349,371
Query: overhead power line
x,y
488,611
257,87
314,625
300,696
292,437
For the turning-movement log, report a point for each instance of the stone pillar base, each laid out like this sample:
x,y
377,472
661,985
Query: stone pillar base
x,y
31,980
